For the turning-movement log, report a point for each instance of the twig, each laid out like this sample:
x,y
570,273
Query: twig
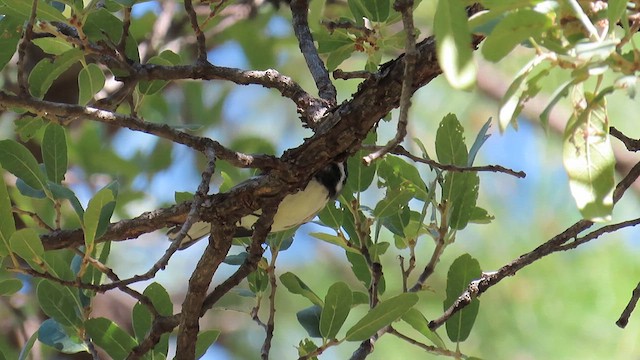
x,y
326,90
429,348
200,40
405,7
597,233
270,325
35,217
626,313
477,287
23,82
631,144
400,150
346,75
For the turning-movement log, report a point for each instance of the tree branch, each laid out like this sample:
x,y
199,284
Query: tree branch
x,y
477,287
326,90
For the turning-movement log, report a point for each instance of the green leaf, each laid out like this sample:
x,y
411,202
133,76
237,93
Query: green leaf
x,y
205,340
182,196
590,163
379,9
166,58
141,321
393,202
46,72
480,216
236,259
90,80
523,88
360,175
258,281
453,43
110,337
10,32
159,298
339,55
309,318
306,347
52,45
331,216
478,142
461,191
44,11
27,126
337,305
359,10
101,25
54,152
359,267
380,316
26,349
7,224
297,286
615,10
26,243
514,28
10,286
98,213
403,176
58,303
16,159
417,321
462,271
335,240
450,146
53,334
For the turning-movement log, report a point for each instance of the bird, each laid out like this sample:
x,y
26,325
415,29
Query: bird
x,y
294,209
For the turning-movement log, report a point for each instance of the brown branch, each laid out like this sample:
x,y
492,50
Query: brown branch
x,y
428,348
400,150
629,143
200,40
631,305
326,90
479,286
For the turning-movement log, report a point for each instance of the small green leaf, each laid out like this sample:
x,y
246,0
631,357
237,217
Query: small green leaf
x,y
380,316
98,213
590,163
514,28
379,9
331,216
335,240
402,175
359,10
615,10
26,243
54,152
309,318
27,126
46,72
393,202
337,305
523,88
450,146
462,271
7,224
306,347
236,259
478,142
26,349
103,25
453,43
360,175
182,196
258,281
297,286
205,340
58,303
159,298
44,11
16,159
110,337
141,321
52,45
90,80
53,334
417,321
480,216
10,32
461,191
10,286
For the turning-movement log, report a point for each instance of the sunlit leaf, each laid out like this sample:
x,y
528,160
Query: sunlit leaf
x,y
337,305
453,43
380,316
462,271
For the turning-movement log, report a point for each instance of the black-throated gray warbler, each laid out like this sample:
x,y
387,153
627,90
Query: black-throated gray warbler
x,y
295,209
